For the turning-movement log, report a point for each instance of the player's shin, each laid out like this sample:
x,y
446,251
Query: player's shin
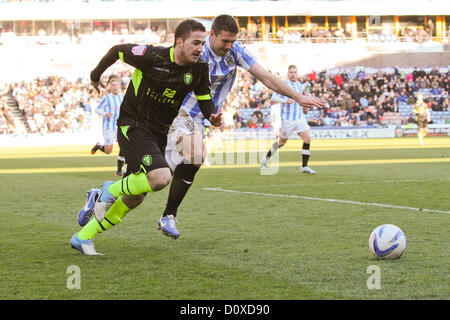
x,y
183,178
273,149
120,162
306,153
113,216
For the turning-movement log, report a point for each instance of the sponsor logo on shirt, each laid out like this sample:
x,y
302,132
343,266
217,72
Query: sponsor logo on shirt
x,y
161,69
169,93
217,78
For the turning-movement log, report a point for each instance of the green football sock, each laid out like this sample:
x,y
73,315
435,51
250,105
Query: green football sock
x,y
90,230
134,184
113,216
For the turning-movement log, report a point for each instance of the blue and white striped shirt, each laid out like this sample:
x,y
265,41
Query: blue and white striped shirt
x,y
222,72
110,103
290,111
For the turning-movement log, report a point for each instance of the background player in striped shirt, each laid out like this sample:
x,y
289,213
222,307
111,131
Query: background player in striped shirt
x,y
109,108
292,120
185,150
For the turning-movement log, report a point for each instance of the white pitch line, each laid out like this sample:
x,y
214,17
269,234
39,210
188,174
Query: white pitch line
x,y
341,183
327,200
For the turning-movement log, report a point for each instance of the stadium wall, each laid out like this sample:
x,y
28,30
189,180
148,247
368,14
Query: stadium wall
x,y
403,59
90,138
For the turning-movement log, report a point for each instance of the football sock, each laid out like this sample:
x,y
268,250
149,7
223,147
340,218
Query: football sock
x,y
134,184
120,162
305,154
113,216
102,148
272,150
183,177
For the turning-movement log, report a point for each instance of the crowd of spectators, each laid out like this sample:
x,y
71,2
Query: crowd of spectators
x,y
54,104
355,98
7,124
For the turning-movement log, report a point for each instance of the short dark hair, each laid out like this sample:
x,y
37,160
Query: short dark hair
x,y
225,22
186,27
113,77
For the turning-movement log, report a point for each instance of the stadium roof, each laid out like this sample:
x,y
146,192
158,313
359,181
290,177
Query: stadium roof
x,y
69,10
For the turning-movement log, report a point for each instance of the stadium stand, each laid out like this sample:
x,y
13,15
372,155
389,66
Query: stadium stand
x,y
279,21
54,95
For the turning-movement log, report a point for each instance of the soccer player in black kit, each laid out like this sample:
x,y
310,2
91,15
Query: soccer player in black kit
x,y
162,79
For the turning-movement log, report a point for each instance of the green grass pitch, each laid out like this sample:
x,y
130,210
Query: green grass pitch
x,y
244,235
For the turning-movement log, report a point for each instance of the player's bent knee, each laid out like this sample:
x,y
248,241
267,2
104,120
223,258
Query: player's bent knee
x,y
159,178
108,149
133,201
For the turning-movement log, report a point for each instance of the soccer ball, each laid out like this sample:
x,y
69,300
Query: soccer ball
x,y
387,242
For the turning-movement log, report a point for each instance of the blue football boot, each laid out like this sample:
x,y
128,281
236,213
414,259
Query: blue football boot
x,y
86,212
168,226
86,247
104,201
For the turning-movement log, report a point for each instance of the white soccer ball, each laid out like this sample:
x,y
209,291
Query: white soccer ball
x,y
387,242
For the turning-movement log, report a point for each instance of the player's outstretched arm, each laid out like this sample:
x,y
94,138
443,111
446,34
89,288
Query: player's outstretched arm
x,y
108,59
134,55
276,84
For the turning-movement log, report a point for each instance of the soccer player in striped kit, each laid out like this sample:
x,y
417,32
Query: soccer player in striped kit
x,y
292,120
109,108
185,151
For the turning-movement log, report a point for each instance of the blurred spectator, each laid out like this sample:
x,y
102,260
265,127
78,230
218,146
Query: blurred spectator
x,y
411,119
7,124
238,120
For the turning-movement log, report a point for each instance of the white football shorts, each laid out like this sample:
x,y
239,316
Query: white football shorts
x,y
182,125
110,136
288,127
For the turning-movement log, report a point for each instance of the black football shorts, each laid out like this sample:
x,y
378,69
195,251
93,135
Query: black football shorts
x,y
143,149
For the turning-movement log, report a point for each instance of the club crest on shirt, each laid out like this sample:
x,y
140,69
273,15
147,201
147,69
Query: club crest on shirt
x,y
138,50
229,59
147,160
187,78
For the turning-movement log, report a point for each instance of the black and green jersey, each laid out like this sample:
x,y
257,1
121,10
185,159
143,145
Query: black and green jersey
x,y
158,85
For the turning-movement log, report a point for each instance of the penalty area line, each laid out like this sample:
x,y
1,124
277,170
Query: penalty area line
x,y
374,204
